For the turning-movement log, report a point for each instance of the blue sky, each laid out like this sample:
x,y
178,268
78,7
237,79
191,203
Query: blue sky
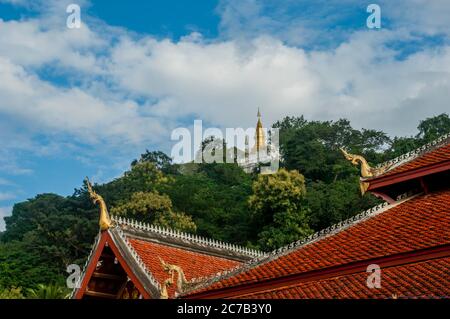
x,y
172,18
86,102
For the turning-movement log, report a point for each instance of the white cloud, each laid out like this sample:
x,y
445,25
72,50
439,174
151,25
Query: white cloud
x,y
4,181
32,43
6,196
46,7
297,22
225,82
424,16
15,2
222,81
327,22
45,107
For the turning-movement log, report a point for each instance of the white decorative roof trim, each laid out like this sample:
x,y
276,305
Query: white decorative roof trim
x,y
393,163
186,236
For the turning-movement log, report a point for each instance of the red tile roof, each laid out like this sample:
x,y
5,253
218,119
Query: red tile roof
x,y
427,279
194,264
418,223
438,155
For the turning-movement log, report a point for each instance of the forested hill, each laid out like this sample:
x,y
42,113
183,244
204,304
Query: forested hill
x,y
315,188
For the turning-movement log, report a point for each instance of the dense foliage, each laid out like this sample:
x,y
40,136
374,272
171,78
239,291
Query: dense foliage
x,y
315,188
279,209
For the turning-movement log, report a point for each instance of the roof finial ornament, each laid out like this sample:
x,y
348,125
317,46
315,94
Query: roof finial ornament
x,y
104,220
182,283
259,113
366,170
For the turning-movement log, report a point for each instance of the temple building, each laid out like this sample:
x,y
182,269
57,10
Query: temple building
x,y
263,151
132,260
398,249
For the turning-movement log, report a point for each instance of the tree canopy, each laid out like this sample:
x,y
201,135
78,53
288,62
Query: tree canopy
x,y
278,208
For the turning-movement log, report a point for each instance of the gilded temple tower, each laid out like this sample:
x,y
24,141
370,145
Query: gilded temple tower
x,y
260,139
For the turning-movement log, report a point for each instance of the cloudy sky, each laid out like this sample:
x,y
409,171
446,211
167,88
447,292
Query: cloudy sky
x,y
77,102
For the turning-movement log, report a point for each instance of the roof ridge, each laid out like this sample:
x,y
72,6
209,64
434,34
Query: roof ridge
x,y
186,236
331,230
138,259
399,160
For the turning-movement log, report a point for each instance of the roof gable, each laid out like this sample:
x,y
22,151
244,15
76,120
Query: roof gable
x,y
110,267
141,249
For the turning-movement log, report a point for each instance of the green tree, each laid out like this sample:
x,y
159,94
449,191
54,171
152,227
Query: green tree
x,y
159,159
332,182
142,177
51,291
433,127
278,208
429,130
44,235
215,148
215,196
313,147
11,293
401,145
23,265
331,203
154,208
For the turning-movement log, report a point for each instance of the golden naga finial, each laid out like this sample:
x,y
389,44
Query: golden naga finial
x,y
167,283
182,283
104,221
366,170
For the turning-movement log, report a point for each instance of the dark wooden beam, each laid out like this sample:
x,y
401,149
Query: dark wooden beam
x,y
108,256
424,185
106,276
384,197
383,181
99,294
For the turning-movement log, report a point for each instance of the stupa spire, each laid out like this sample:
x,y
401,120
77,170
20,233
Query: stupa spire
x,y
260,140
